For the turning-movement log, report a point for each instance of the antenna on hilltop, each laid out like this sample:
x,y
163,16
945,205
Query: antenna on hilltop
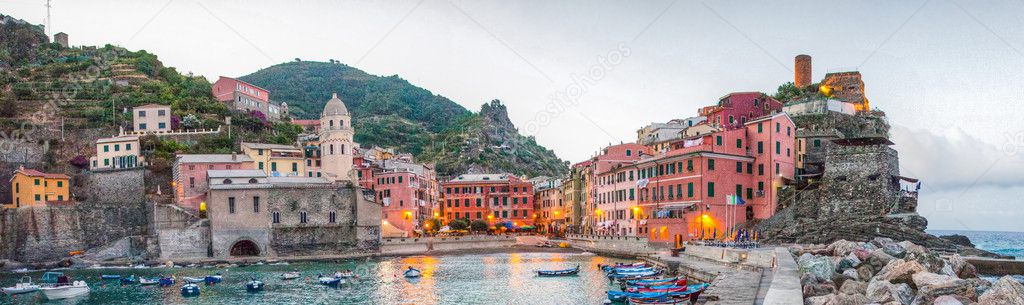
x,y
49,32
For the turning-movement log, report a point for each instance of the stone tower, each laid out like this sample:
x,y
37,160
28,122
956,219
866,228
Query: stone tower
x,y
61,39
336,146
802,71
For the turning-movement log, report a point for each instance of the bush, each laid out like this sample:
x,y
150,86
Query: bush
x,y
459,224
478,225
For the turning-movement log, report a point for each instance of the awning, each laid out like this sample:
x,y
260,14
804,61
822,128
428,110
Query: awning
x,y
908,179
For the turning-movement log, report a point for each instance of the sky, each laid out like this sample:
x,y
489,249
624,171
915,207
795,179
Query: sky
x,y
579,75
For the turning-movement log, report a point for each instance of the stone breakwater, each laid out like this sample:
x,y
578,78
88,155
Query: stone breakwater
x,y
883,271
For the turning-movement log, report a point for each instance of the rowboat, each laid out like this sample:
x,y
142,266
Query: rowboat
x,y
563,272
689,296
65,291
331,281
633,276
663,288
291,275
166,281
621,296
148,282
412,273
345,275
128,280
254,285
110,277
25,286
193,280
190,290
653,282
213,279
630,270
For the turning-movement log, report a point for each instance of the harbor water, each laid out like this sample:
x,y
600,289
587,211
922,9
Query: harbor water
x,y
506,278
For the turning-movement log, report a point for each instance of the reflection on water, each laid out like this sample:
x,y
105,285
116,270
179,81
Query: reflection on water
x,y
468,279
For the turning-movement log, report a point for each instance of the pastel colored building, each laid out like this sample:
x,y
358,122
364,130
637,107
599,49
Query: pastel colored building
x,y
407,192
735,109
276,159
659,136
684,194
32,187
190,175
550,206
309,126
614,189
497,198
243,96
117,152
151,118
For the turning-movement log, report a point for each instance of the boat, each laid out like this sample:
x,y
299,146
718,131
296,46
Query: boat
x,y
412,273
65,290
128,280
147,282
663,288
331,281
25,286
630,270
634,276
193,280
213,279
654,282
345,274
688,296
21,270
563,272
190,290
291,275
621,296
166,282
254,285
110,277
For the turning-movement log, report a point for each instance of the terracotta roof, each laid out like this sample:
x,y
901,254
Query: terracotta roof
x,y
244,82
306,122
35,173
117,139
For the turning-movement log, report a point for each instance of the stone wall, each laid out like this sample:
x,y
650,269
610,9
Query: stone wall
x,y
626,245
191,242
399,246
860,180
112,208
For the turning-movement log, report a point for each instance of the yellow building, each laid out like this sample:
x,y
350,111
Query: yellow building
x,y
276,159
30,187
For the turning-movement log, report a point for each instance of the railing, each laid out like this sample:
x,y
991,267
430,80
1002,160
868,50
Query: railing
x,y
171,132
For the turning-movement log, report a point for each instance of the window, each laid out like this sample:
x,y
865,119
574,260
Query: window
x,y
760,147
302,217
778,147
629,152
332,217
117,147
760,186
261,165
759,127
817,142
191,182
689,165
259,151
17,187
295,166
106,148
478,202
739,143
231,205
631,194
161,125
128,146
711,189
760,169
711,164
37,181
750,168
718,139
60,197
778,127
776,168
689,189
739,190
273,166
739,167
37,197
750,193
142,126
161,112
256,204
142,113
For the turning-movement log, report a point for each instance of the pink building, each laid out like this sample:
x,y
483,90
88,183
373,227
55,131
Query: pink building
x,y
407,191
496,198
614,189
243,96
735,109
190,175
684,194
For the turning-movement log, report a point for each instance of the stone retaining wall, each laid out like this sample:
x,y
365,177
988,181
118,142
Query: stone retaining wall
x,y
398,246
618,245
760,258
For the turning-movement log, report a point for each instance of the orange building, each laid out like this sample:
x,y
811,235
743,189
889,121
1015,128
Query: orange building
x,y
30,187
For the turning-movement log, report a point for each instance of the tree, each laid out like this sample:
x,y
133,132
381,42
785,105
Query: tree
x,y
459,224
478,225
432,225
787,91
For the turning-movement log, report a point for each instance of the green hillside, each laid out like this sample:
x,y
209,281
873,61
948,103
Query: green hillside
x,y
392,113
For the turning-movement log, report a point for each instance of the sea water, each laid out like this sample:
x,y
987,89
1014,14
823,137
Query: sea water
x,y
508,278
1004,243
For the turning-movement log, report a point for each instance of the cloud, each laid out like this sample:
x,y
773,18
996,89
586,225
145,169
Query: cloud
x,y
958,160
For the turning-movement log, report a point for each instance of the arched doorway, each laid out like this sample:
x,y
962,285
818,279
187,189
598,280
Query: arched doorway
x,y
245,248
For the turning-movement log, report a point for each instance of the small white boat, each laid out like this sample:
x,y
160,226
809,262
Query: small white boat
x,y
21,270
25,286
193,280
190,290
291,275
145,282
412,272
331,281
346,274
77,288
